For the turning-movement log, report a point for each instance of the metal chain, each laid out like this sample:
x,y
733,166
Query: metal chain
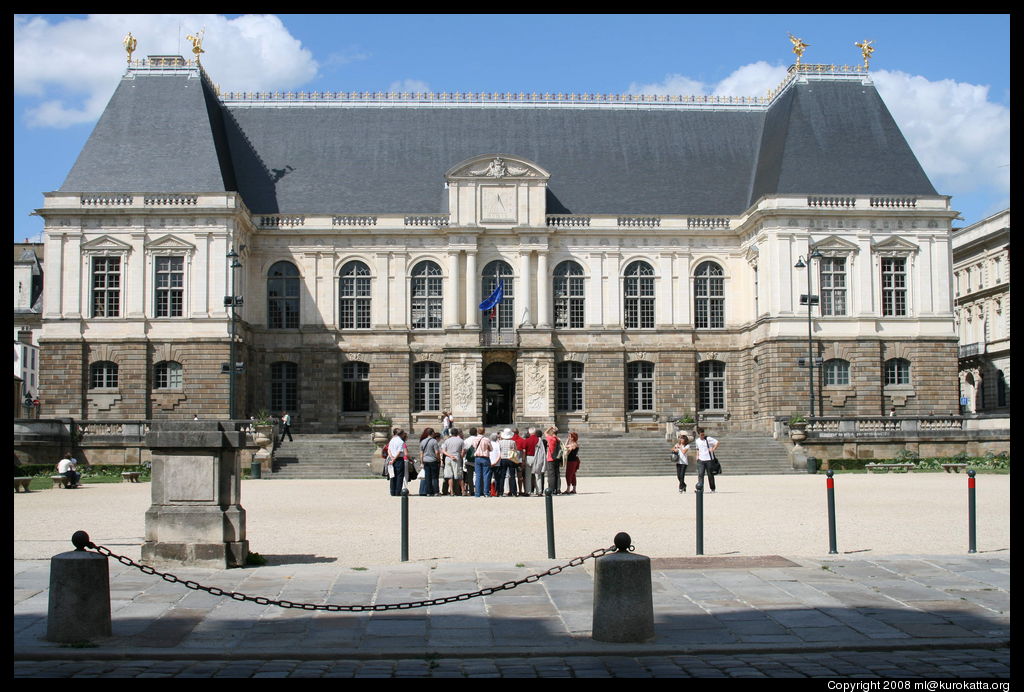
x,y
215,591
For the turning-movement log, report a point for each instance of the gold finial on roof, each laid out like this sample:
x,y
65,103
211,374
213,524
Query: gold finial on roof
x,y
798,47
866,49
129,43
197,43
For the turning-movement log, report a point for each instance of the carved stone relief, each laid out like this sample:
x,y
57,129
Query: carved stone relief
x,y
463,382
536,380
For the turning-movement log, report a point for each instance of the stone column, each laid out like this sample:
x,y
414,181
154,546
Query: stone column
x,y
525,317
451,304
472,291
196,518
543,291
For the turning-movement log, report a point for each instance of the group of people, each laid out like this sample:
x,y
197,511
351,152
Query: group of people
x,y
504,464
706,462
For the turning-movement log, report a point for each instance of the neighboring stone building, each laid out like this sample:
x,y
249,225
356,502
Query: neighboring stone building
x,y
28,304
646,248
981,271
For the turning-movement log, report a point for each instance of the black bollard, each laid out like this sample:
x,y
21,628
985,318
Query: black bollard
x,y
972,543
405,524
699,493
549,509
830,484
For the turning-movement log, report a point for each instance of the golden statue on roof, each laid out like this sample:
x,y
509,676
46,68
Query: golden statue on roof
x,y
798,47
129,43
197,43
866,49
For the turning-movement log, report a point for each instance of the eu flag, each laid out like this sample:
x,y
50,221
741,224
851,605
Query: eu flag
x,y
495,297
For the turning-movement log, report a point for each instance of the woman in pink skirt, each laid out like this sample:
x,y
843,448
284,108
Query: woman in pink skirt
x,y
572,462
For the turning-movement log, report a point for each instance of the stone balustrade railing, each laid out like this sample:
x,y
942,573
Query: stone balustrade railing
x,y
878,426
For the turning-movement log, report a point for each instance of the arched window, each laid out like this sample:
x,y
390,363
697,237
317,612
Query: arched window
x,y
284,386
354,296
426,391
103,375
568,295
638,290
711,385
640,386
167,375
569,386
836,372
709,296
355,387
503,314
897,371
283,296
427,296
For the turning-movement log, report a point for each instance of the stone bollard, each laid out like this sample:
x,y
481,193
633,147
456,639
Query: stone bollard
x,y
79,608
623,600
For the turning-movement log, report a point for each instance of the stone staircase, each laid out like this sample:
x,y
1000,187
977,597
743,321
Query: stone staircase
x,y
341,455
741,453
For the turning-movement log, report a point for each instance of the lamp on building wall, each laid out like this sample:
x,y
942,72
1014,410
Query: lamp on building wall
x,y
232,301
809,300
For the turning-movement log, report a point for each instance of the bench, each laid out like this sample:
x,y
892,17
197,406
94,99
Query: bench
x,y
130,477
22,482
885,468
951,468
60,481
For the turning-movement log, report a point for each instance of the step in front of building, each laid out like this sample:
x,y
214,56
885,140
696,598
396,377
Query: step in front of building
x,y
351,456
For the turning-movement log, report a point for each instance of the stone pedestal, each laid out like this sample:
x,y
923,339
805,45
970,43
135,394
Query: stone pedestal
x,y
196,518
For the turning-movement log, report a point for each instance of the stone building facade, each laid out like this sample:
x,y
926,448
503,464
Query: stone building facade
x,y
981,275
647,249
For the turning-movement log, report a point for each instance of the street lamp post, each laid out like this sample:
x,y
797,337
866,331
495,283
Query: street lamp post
x,y
810,299
233,301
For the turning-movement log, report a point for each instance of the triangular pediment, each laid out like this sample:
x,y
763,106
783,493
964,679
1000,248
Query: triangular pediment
x,y
106,243
894,244
834,243
496,166
169,243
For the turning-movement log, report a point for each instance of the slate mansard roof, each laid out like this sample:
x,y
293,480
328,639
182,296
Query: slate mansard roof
x,y
167,131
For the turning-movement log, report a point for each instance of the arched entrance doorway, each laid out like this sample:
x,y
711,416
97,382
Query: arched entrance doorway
x,y
499,393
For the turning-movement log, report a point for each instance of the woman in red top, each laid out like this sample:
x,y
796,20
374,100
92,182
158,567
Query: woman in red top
x,y
554,448
572,462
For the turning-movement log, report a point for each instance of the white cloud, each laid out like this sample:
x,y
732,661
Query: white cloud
x,y
73,65
410,86
961,138
754,79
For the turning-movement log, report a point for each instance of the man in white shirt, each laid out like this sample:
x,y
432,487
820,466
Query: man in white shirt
x,y
397,454
706,447
68,468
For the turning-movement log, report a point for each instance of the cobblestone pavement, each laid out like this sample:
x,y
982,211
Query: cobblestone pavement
x,y
968,664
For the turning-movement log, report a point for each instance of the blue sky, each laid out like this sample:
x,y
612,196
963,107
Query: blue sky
x,y
946,78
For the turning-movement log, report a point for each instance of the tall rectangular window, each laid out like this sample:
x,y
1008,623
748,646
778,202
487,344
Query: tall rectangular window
x,y
640,386
170,286
355,387
426,395
709,296
569,386
106,286
638,290
711,385
568,296
284,386
833,286
894,286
